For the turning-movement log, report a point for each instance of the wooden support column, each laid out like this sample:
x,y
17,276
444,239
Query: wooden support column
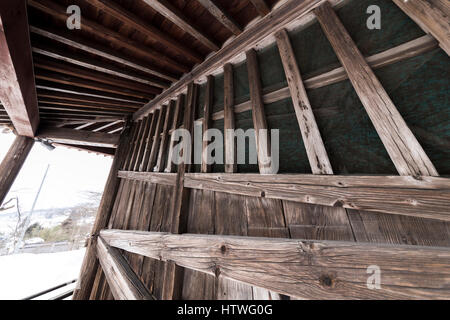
x,y
259,117
12,163
164,136
142,142
17,85
405,151
135,144
229,125
430,17
173,276
207,121
156,140
90,262
148,142
315,149
176,115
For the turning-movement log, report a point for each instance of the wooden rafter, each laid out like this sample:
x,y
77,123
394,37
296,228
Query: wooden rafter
x,y
221,15
17,87
70,136
261,6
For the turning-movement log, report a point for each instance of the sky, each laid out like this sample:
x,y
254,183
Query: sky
x,y
71,174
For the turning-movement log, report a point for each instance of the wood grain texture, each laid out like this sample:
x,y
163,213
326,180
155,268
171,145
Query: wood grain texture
x,y
315,149
168,179
431,17
176,116
261,6
301,268
207,106
229,124
17,84
156,140
80,137
12,163
405,151
221,15
164,137
124,283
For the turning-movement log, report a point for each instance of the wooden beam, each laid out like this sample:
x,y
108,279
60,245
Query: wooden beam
x,y
306,269
431,18
90,262
426,197
172,13
17,89
261,6
258,115
143,141
149,142
229,125
12,163
156,140
315,148
168,179
221,15
70,136
164,137
176,115
59,12
123,282
405,151
97,102
277,20
207,107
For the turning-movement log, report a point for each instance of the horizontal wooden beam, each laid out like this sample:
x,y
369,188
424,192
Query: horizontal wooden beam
x,y
123,282
80,137
168,179
298,268
277,20
17,86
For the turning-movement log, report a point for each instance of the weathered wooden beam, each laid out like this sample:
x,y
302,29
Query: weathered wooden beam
x,y
123,282
90,262
221,15
431,18
261,6
405,151
277,20
12,163
207,107
315,148
176,115
305,269
137,23
148,142
143,141
427,197
164,137
136,143
168,179
229,123
70,136
17,87
172,13
156,140
59,12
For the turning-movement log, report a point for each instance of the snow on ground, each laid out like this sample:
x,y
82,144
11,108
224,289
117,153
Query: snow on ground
x,y
22,275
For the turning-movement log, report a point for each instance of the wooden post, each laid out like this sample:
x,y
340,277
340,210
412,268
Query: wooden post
x,y
207,121
229,126
176,115
90,262
12,163
165,133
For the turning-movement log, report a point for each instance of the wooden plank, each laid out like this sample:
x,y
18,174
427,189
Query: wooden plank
x,y
229,125
122,280
315,148
148,143
221,15
277,20
176,115
261,6
164,137
150,31
431,18
207,106
17,86
70,136
12,163
308,269
142,143
175,15
59,12
168,179
426,197
156,140
258,115
405,151
135,144
90,262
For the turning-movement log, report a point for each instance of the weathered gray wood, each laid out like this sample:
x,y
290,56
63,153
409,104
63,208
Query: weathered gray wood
x,y
431,18
156,140
207,106
427,197
164,136
17,84
143,142
221,15
229,126
149,142
405,151
301,268
168,179
176,115
12,163
123,282
80,137
315,149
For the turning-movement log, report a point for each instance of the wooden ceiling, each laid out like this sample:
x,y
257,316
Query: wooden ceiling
x,y
126,53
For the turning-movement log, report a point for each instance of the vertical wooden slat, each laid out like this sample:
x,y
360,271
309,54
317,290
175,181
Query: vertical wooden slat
x,y
209,97
156,140
259,118
405,151
141,146
135,144
229,126
128,156
149,142
165,133
315,149
180,102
